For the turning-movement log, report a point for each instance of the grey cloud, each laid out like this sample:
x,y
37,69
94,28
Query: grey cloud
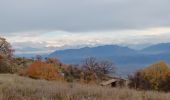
x,y
30,47
82,15
46,46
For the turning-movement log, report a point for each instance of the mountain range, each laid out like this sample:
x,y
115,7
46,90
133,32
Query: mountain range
x,y
125,58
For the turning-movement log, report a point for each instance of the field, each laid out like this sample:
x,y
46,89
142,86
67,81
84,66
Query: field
x,y
14,87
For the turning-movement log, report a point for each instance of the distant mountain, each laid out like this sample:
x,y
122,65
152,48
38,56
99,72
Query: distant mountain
x,y
30,55
107,51
125,58
25,55
158,48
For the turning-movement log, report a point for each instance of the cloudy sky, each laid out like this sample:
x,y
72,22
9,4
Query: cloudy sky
x,y
42,26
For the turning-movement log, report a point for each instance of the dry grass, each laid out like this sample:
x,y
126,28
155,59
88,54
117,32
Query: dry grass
x,y
13,87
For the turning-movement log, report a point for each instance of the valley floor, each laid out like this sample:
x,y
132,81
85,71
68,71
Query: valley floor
x,y
14,87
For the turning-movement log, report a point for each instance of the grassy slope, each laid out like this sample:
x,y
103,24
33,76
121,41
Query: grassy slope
x,y
13,87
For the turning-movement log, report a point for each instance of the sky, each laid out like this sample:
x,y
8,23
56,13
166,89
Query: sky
x,y
43,26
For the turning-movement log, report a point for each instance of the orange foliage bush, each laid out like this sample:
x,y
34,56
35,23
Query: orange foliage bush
x,y
156,74
42,70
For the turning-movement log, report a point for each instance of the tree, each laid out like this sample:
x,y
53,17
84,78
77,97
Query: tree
x,y
106,67
5,48
99,68
38,57
6,53
90,63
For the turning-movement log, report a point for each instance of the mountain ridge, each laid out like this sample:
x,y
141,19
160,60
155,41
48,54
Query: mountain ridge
x,y
124,57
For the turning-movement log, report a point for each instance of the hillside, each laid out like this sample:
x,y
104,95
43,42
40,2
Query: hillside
x,y
13,87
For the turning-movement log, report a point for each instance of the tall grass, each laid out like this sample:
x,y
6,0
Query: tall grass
x,y
13,87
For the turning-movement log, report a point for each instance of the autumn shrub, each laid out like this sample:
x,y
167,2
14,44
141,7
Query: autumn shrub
x,y
77,74
42,70
137,81
22,62
72,73
164,86
53,61
89,77
152,77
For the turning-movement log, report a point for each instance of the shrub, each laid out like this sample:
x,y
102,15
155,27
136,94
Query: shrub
x,y
4,65
54,61
137,81
42,70
152,77
71,73
89,77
